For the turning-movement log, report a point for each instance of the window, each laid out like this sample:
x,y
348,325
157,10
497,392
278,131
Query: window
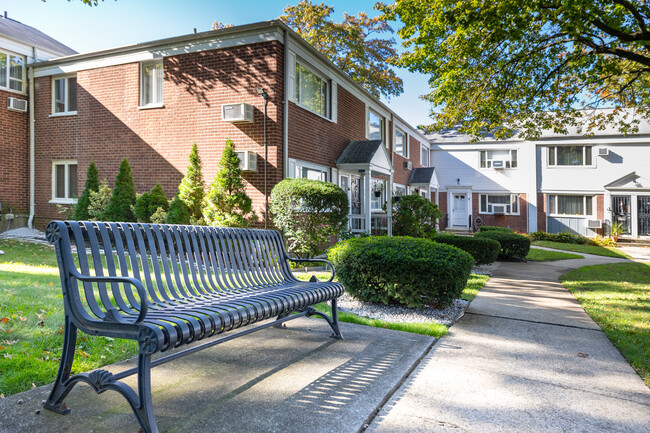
x,y
151,84
376,127
499,204
576,205
424,156
312,91
64,95
302,169
569,156
64,181
377,190
401,143
399,190
503,158
12,72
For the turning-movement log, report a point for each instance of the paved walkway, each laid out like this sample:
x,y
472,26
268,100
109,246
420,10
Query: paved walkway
x,y
524,358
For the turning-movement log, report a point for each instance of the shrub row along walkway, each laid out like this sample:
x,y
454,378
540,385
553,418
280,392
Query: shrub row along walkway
x,y
525,357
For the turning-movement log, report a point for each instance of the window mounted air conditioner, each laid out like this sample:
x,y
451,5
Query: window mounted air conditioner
x,y
498,164
247,160
594,224
237,113
15,104
408,165
499,209
603,151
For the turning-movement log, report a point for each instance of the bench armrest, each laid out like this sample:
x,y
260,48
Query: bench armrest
x,y
112,313
327,262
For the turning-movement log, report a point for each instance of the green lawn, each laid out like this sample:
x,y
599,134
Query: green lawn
x,y
537,255
581,248
617,297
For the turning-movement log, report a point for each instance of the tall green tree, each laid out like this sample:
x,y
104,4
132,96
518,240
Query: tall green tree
x,y
91,185
500,66
120,206
192,187
226,204
351,44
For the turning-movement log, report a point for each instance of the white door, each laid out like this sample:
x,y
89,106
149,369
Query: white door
x,y
459,210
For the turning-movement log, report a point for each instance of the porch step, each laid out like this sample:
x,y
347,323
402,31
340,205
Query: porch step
x,y
461,232
634,242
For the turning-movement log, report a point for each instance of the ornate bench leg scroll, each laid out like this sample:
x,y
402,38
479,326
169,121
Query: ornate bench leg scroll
x,y
335,321
145,410
62,385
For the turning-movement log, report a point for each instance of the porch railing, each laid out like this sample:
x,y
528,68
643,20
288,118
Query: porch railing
x,y
378,224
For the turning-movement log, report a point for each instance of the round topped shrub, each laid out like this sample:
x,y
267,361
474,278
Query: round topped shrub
x,y
403,270
513,246
484,250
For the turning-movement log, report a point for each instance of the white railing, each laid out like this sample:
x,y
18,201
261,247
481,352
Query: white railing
x,y
378,224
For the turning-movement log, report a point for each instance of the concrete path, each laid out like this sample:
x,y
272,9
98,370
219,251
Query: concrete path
x,y
276,380
524,358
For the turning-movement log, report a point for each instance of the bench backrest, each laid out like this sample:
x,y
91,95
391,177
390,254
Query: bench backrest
x,y
174,262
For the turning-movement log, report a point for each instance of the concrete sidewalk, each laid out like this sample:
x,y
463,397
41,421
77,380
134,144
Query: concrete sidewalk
x,y
524,358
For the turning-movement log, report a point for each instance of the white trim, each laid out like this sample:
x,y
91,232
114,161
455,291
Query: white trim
x,y
406,144
66,181
426,149
480,211
594,206
546,154
154,104
295,163
8,77
324,79
150,106
66,94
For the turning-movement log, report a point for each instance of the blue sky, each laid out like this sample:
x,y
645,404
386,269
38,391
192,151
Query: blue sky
x,y
122,22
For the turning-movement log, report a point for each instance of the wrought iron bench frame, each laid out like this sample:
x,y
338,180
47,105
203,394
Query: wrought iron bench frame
x,y
204,281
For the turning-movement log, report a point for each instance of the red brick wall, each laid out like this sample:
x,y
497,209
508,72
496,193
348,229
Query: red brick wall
x,y
541,212
402,176
442,204
109,126
515,222
14,149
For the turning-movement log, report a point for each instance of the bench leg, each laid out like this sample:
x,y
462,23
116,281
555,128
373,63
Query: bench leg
x,y
62,386
144,411
335,321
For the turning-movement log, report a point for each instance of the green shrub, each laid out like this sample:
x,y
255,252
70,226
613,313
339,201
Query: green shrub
x,y
403,270
141,208
98,201
541,236
484,250
192,187
308,213
159,216
602,241
414,215
570,238
91,185
513,245
120,206
494,228
178,212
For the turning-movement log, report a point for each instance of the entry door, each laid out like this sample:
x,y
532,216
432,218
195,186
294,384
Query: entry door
x,y
622,212
643,209
459,210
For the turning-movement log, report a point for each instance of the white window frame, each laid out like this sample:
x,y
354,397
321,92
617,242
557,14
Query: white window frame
x,y
405,152
327,93
67,163
152,104
296,166
396,187
382,127
66,94
554,213
488,160
374,199
553,149
424,150
487,211
8,77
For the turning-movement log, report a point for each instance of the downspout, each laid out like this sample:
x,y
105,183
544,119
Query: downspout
x,y
285,108
30,221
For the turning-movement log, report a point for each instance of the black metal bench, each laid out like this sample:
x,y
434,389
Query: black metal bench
x,y
167,287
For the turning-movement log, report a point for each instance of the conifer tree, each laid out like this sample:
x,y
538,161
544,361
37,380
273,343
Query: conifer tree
x,y
178,212
91,185
226,204
120,207
192,188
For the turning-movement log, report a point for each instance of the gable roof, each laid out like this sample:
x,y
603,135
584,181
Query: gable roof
x,y
20,32
366,154
631,181
423,176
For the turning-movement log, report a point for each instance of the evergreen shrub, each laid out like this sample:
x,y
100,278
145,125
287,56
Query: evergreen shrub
x,y
91,185
484,250
513,246
120,206
192,187
404,270
494,228
178,212
147,204
414,215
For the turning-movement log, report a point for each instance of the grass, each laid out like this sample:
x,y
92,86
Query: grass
x,y
617,297
581,248
537,255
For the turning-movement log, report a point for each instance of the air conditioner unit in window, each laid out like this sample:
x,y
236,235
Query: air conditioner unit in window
x,y
237,113
594,224
248,160
408,165
603,151
15,104
498,164
499,209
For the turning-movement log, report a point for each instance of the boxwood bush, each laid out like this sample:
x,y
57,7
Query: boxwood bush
x,y
513,245
494,228
484,250
404,270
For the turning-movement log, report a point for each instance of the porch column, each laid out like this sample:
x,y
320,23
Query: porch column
x,y
389,204
365,179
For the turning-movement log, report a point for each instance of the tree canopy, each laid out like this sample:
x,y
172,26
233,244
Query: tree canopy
x,y
500,66
351,45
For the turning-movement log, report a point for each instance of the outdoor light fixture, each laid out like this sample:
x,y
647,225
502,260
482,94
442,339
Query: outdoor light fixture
x,y
458,181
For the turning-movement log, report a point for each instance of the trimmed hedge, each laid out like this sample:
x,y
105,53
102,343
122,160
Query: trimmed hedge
x,y
495,228
513,245
566,237
484,250
404,270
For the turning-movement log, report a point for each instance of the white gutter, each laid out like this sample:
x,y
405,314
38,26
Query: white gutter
x,y
285,108
32,171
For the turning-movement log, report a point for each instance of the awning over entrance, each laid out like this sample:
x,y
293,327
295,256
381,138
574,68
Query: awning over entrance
x,y
368,155
424,177
628,182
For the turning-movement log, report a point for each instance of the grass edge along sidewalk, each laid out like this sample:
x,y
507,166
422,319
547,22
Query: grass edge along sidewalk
x,y
32,316
582,248
617,297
